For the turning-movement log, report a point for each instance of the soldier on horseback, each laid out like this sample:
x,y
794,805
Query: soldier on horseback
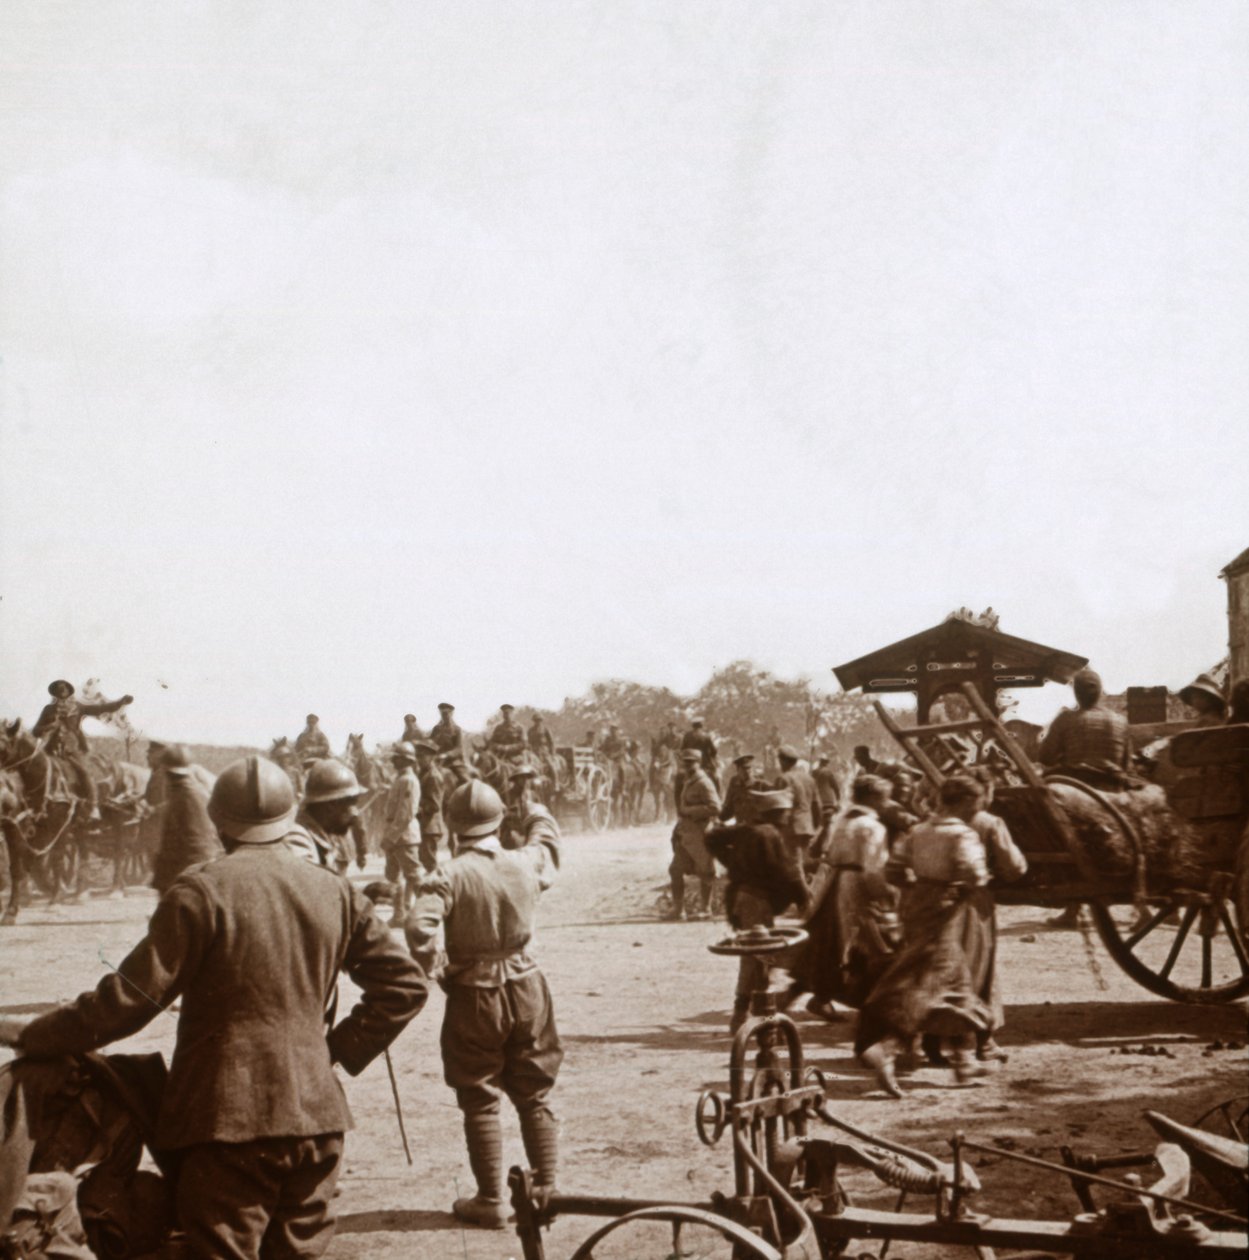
x,y
542,746
507,740
312,743
60,726
446,735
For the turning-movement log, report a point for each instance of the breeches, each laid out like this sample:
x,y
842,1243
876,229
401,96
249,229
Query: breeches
x,y
429,848
403,859
690,856
263,1200
501,1041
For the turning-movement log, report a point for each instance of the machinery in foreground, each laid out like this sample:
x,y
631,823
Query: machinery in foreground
x,y
791,1152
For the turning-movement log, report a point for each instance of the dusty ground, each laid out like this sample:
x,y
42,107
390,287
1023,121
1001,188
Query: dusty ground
x,y
643,1008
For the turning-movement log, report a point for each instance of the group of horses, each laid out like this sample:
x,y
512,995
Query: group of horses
x,y
48,835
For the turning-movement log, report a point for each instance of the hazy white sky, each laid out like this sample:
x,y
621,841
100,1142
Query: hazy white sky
x,y
357,356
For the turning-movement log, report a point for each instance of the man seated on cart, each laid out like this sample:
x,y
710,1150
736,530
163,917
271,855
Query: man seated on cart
x,y
1090,742
60,726
542,746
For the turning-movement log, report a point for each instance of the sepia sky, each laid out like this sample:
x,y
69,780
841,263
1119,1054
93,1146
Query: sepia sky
x,y
361,355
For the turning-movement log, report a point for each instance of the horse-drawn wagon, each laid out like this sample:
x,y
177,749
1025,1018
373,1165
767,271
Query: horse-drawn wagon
x,y
584,791
1165,873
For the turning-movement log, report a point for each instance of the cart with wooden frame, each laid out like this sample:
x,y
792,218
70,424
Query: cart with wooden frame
x,y
1185,941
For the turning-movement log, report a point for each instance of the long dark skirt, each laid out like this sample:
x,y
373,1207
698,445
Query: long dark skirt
x,y
851,938
941,982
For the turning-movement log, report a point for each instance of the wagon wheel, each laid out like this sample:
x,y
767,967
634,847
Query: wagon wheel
x,y
597,799
1188,946
745,1244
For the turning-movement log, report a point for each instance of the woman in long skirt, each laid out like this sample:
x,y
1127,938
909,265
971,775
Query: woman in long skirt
x,y
941,981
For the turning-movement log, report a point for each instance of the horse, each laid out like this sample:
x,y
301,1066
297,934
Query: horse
x,y
373,774
16,827
661,782
628,789
54,851
282,751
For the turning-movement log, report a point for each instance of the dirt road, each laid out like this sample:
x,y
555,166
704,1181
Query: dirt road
x,y
643,1010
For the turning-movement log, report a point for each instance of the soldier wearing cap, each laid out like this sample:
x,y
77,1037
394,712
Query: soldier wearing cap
x,y
1089,742
507,740
445,735
1204,697
804,817
187,834
312,743
412,733
498,1031
738,806
330,811
698,739
401,830
613,747
59,725
429,812
764,881
698,805
249,945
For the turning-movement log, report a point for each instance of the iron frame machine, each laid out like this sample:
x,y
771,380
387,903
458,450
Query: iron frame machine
x,y
788,1200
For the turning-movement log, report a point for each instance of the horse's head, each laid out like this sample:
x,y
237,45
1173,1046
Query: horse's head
x,y
15,741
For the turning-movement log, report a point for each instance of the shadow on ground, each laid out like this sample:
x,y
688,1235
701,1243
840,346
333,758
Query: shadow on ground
x,y
397,1222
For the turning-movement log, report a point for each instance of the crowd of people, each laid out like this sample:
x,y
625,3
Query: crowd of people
x,y
257,918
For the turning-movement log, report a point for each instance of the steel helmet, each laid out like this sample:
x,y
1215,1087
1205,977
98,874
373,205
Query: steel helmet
x,y
475,809
403,751
253,801
176,760
330,780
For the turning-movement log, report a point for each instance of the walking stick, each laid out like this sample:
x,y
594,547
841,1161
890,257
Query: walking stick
x,y
394,1089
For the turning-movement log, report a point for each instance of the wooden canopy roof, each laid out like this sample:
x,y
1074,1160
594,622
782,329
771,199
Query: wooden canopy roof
x,y
958,651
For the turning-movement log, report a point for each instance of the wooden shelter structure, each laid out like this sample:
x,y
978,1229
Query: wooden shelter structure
x,y
957,651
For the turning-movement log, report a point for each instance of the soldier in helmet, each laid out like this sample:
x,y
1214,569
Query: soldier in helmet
x,y
330,810
445,735
60,726
248,946
498,1031
401,834
528,820
312,743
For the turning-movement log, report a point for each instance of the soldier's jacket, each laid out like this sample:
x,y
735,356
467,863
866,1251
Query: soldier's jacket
x,y
541,741
447,737
61,722
698,803
403,799
311,841
429,810
486,899
314,743
187,834
507,737
737,803
705,745
827,789
804,818
252,944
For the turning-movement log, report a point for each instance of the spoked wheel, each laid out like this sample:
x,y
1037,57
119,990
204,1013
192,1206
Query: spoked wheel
x,y
747,1245
1189,947
597,799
